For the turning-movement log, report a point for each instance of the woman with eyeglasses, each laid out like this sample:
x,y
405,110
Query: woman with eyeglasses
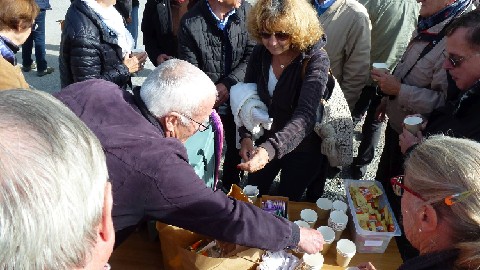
x,y
441,204
16,19
290,69
459,117
418,85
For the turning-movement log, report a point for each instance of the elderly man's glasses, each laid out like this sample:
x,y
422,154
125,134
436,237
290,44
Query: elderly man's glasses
x,y
281,36
201,126
399,188
456,60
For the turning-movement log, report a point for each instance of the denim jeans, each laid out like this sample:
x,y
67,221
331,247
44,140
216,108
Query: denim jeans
x,y
37,36
133,26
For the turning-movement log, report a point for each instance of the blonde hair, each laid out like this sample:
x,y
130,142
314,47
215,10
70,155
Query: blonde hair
x,y
442,166
295,17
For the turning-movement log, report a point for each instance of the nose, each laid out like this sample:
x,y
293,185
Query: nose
x,y
272,40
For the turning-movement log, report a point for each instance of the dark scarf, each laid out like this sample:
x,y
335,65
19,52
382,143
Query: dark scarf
x,y
449,11
8,50
468,99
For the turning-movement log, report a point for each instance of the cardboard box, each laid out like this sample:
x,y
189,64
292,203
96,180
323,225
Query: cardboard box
x,y
368,241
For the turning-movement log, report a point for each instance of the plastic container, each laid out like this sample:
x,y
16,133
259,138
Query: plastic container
x,y
368,241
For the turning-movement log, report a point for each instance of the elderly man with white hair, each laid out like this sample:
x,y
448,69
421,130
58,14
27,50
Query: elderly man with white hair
x,y
55,201
143,134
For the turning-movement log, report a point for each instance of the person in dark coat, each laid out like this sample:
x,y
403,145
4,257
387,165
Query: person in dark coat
x,y
460,115
290,70
143,135
96,44
213,36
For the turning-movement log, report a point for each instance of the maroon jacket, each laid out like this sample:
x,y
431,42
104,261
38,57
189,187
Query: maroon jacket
x,y
151,176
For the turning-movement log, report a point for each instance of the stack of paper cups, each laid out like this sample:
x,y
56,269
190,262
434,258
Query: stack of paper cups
x,y
328,236
338,222
309,216
346,249
323,208
313,261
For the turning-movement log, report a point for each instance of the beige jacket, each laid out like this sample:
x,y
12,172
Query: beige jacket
x,y
347,26
10,76
425,88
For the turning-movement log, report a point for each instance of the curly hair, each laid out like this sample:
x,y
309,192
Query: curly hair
x,y
295,17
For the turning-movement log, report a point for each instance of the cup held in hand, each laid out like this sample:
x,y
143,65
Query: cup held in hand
x,y
413,124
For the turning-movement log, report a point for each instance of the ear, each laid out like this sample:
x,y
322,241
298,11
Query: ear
x,y
428,218
169,122
106,230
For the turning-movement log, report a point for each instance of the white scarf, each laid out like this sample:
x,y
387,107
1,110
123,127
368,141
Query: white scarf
x,y
114,21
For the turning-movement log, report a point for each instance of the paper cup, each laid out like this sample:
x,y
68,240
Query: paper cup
x,y
309,216
324,206
313,261
381,66
251,192
302,224
328,236
413,124
340,206
352,268
338,222
346,249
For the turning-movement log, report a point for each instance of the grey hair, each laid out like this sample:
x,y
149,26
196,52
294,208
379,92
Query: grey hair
x,y
52,184
176,86
442,166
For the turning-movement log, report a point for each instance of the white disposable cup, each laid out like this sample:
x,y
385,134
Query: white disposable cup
x,y
338,222
352,268
324,205
381,66
413,124
328,236
251,192
302,224
340,206
309,216
313,261
346,249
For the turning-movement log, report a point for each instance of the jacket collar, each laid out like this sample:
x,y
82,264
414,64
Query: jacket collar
x,y
144,110
234,18
105,33
431,261
467,99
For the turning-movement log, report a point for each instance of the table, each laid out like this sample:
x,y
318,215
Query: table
x,y
389,260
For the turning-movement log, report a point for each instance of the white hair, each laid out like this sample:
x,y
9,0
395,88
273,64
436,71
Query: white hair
x,y
176,86
52,184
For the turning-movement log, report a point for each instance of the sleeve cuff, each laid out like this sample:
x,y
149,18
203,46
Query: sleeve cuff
x,y
294,237
270,150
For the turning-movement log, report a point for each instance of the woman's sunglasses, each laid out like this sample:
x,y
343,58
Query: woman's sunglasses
x,y
280,36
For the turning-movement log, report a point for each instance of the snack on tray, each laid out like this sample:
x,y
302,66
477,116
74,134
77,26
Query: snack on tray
x,y
367,208
237,193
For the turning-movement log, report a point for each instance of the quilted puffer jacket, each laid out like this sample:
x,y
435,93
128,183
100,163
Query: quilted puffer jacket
x,y
89,50
202,44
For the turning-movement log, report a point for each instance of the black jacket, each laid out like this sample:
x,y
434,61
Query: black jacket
x,y
203,44
88,49
158,35
458,118
295,100
443,260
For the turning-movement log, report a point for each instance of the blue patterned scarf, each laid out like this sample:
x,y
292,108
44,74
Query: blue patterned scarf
x,y
449,11
8,50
